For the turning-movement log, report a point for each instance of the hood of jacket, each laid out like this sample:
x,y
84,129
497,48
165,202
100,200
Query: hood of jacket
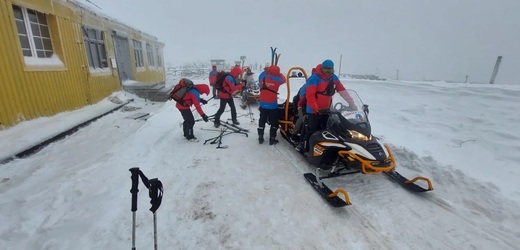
x,y
202,88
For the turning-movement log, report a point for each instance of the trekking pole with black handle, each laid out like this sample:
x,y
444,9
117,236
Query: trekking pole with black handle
x,y
134,191
156,193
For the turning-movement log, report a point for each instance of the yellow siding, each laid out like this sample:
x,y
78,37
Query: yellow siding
x,y
31,91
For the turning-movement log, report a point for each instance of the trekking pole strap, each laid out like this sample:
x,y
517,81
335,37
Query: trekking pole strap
x,y
156,194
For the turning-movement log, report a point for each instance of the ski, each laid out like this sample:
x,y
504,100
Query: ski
x,y
326,193
229,127
211,129
273,55
409,184
230,124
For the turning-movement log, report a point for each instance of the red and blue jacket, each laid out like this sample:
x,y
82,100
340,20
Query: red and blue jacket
x,y
269,88
301,93
212,77
316,86
191,98
260,77
229,86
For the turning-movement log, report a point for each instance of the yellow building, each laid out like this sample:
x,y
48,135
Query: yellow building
x,y
59,55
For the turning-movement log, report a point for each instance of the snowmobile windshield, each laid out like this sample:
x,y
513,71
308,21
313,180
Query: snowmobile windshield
x,y
353,113
352,117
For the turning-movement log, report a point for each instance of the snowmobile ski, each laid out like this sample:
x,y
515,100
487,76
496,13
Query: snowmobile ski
x,y
326,193
410,184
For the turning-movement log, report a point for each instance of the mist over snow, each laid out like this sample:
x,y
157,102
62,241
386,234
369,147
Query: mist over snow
x,y
424,40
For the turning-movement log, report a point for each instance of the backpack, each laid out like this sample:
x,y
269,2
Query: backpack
x,y
330,90
264,86
180,90
219,84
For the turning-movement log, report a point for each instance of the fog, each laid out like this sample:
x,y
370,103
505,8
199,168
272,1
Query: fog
x,y
424,40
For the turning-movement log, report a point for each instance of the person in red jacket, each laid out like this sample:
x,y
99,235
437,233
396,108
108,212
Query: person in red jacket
x,y
192,98
320,88
213,79
269,103
229,86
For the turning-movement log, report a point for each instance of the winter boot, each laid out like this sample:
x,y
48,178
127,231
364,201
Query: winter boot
x,y
191,137
235,122
272,136
260,135
216,123
185,129
299,147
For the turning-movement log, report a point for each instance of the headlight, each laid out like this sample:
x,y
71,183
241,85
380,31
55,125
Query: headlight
x,y
358,136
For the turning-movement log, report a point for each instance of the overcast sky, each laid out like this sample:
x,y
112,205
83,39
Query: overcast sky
x,y
441,39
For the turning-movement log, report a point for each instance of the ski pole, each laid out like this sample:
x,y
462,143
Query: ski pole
x,y
251,116
156,194
134,191
210,117
210,99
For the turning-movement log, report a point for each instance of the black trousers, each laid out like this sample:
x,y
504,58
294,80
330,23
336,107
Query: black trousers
x,y
272,115
315,122
223,103
189,122
215,92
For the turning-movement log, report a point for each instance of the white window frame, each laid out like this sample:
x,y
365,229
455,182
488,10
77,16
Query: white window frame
x,y
159,58
30,35
149,54
138,53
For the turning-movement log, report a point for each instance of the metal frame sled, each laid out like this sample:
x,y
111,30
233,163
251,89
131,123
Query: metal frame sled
x,y
249,96
339,156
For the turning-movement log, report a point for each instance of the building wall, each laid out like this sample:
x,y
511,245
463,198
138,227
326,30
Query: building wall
x,y
32,90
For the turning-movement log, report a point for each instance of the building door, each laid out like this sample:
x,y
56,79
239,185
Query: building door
x,y
123,59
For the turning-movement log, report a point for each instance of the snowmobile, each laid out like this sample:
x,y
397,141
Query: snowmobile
x,y
250,95
251,92
345,146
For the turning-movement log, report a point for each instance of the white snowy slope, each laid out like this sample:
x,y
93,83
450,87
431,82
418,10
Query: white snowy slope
x,y
75,193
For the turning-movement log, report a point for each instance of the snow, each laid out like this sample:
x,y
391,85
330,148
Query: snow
x,y
54,60
74,193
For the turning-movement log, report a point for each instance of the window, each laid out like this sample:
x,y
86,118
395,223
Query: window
x,y
149,53
159,59
33,32
138,53
95,47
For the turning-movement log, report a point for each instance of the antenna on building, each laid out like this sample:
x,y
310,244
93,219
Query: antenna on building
x,y
88,1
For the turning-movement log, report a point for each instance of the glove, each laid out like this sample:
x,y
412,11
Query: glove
x,y
205,118
244,81
203,101
352,108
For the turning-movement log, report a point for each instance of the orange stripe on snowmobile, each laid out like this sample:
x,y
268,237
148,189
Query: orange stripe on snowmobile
x,y
347,199
430,186
366,165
